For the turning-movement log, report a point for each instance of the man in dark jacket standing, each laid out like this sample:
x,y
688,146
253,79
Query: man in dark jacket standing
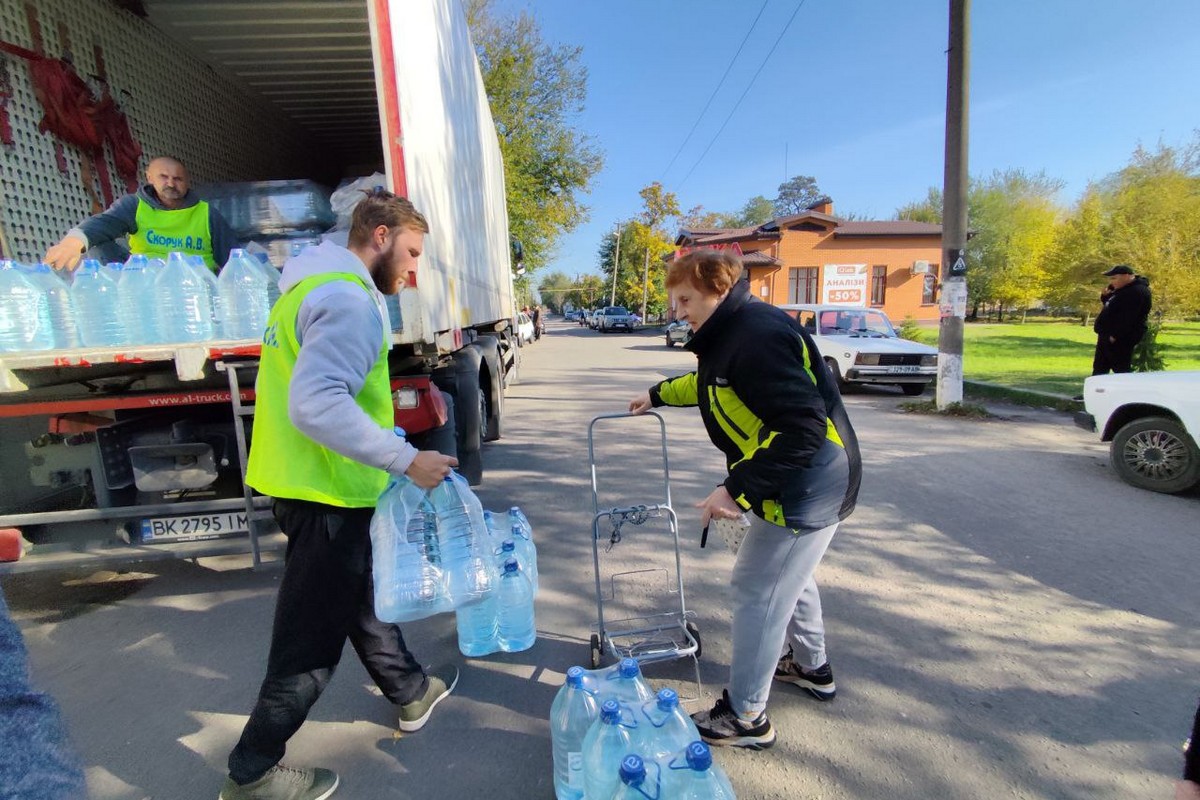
x,y
1121,323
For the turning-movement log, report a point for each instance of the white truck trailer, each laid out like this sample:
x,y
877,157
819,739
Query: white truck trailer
x,y
112,455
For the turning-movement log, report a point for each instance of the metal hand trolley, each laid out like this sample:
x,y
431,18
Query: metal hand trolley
x,y
654,637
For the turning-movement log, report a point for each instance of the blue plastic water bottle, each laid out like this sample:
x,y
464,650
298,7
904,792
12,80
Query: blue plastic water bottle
x,y
184,298
244,301
97,312
639,779
571,715
408,584
607,742
113,270
526,554
62,309
135,298
270,273
461,533
625,683
24,312
664,727
515,609
694,776
477,616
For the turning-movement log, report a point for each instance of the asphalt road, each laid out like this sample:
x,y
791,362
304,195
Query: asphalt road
x,y
1005,618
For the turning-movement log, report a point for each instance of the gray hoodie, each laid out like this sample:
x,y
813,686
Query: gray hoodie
x,y
340,329
121,219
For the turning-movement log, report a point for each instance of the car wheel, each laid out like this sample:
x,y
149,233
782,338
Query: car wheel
x,y
669,342
837,375
913,389
1156,453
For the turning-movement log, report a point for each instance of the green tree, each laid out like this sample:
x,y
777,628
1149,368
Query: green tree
x,y
658,205
588,292
553,289
927,210
755,212
796,194
534,89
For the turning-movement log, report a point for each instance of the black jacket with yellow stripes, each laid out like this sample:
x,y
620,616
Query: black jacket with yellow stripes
x,y
769,403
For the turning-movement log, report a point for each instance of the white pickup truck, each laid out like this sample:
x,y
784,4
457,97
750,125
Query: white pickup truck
x,y
1153,422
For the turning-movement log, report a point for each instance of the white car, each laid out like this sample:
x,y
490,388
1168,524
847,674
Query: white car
x,y
1153,422
524,328
860,346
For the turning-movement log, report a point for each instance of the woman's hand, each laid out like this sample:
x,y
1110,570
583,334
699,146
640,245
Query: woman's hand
x,y
718,505
640,404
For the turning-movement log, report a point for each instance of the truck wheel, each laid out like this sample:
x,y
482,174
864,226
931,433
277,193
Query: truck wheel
x,y
913,389
491,380
1156,453
461,379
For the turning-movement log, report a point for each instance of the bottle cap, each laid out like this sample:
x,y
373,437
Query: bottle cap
x,y
699,757
667,699
610,712
629,668
511,565
575,677
633,770
508,545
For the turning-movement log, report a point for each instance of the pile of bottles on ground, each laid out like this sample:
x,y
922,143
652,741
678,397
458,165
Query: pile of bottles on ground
x,y
144,301
615,740
438,551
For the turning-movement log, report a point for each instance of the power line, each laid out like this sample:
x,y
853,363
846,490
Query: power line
x,y
720,83
743,97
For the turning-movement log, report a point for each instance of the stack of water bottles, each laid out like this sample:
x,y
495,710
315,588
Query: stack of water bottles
x,y
439,551
612,738
141,302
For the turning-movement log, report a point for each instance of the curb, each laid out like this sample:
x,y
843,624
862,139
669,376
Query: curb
x,y
1025,397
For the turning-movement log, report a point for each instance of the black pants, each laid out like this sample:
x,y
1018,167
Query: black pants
x,y
325,597
1112,357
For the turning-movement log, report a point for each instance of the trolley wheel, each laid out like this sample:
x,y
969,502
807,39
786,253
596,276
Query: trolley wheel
x,y
695,632
596,652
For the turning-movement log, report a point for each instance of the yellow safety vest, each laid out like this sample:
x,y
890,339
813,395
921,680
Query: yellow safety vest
x,y
283,461
161,232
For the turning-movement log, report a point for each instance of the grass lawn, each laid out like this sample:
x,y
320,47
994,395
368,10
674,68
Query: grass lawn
x,y
1053,356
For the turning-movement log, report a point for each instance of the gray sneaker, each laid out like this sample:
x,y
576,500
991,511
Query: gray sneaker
x,y
414,715
284,783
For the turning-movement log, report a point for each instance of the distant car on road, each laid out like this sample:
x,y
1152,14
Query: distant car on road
x,y
678,333
1153,422
860,346
614,318
524,328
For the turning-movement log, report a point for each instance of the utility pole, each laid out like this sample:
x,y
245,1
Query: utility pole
x,y
616,266
953,304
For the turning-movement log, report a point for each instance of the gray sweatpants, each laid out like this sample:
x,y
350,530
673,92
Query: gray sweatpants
x,y
775,603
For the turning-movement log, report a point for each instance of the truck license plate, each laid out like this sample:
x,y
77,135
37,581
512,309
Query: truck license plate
x,y
194,527
910,369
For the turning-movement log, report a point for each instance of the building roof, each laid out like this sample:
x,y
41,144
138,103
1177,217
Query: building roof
x,y
760,259
901,227
840,227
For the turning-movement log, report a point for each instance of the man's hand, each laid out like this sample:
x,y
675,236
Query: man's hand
x,y
430,468
1112,340
65,254
718,505
1187,790
640,404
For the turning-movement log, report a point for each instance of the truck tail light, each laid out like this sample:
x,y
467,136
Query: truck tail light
x,y
417,404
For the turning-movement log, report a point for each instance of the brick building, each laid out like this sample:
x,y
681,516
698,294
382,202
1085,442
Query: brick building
x,y
816,257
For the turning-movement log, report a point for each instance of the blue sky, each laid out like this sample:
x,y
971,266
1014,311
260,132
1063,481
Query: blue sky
x,y
855,92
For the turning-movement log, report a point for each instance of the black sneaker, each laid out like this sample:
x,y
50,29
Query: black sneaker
x,y
817,682
722,726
